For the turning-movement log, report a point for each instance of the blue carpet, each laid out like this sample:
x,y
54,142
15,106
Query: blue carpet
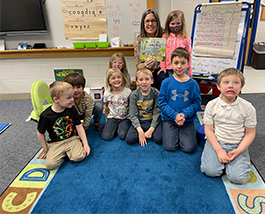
x,y
118,178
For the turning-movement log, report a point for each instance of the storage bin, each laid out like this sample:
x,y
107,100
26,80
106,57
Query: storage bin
x,y
102,44
90,44
79,45
258,56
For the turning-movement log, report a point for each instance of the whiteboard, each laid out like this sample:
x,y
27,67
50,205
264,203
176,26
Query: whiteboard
x,y
208,66
124,18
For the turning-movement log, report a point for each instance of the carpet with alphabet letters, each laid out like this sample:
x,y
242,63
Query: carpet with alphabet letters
x,y
118,178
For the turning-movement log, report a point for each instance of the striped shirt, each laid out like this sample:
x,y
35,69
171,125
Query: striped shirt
x,y
85,107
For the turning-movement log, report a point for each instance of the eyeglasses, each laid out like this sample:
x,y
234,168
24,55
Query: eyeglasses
x,y
117,62
148,21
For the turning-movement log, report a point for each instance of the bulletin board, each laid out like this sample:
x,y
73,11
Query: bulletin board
x,y
211,66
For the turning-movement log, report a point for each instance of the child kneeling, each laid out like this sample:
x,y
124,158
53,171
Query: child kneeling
x,y
144,111
230,123
61,121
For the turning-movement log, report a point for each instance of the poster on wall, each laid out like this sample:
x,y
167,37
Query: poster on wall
x,y
83,19
217,30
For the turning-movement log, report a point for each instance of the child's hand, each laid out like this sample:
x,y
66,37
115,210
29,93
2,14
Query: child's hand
x,y
87,150
149,132
180,119
233,154
43,155
142,139
149,63
161,70
223,156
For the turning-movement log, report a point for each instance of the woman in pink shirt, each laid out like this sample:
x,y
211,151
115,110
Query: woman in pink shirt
x,y
176,35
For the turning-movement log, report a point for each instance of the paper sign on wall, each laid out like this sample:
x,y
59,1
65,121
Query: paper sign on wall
x,y
84,19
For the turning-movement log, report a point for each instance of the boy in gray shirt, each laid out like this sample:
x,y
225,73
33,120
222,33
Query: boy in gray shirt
x,y
144,111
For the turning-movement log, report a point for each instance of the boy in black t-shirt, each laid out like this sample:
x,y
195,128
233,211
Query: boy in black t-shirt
x,y
61,121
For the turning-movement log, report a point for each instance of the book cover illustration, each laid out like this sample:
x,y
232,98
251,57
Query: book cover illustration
x,y
151,48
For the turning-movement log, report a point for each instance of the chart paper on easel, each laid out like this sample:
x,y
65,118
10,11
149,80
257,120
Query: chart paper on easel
x,y
84,19
217,30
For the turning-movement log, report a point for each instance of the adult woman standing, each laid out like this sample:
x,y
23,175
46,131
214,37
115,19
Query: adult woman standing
x,y
150,27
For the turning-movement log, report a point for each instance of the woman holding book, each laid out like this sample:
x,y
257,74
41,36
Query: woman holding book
x,y
150,27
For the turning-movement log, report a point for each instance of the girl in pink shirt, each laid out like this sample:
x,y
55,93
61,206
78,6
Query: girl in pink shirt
x,y
176,35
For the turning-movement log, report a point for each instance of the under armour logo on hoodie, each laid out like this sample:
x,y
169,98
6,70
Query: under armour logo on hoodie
x,y
175,95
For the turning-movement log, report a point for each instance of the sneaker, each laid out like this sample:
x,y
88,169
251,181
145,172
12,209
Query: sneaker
x,y
98,127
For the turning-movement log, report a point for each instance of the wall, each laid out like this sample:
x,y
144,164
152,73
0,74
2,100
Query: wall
x,y
17,75
260,36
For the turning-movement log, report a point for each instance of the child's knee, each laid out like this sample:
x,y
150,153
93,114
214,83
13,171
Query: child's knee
x,y
98,106
237,178
122,136
170,147
106,137
189,149
52,165
211,172
130,140
77,157
158,139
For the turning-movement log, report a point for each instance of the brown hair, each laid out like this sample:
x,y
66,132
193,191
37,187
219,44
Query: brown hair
x,y
231,71
75,79
159,30
58,88
180,52
170,17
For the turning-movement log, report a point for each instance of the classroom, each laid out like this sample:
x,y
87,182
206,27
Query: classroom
x,y
115,177
18,79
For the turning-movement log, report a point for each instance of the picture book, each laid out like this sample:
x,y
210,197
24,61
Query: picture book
x,y
151,48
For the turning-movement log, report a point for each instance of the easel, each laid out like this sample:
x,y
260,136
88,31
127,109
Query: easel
x,y
208,80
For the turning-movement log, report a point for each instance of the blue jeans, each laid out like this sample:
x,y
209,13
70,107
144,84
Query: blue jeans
x,y
237,170
113,125
133,136
175,136
98,111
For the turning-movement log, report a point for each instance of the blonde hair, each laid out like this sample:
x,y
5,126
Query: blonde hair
x,y
119,55
231,71
108,75
58,88
170,17
143,71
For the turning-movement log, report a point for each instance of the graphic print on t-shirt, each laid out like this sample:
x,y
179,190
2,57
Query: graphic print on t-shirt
x,y
145,108
63,127
119,106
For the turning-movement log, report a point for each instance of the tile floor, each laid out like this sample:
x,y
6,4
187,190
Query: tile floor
x,y
255,80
